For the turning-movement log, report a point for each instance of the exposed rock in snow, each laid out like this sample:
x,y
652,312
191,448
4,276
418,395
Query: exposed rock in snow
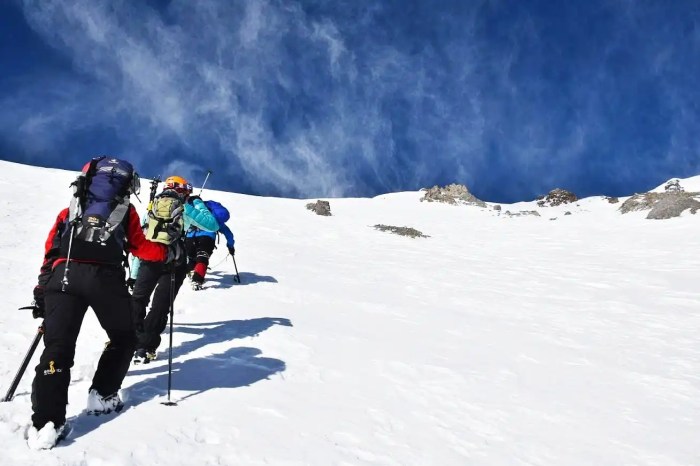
x,y
522,213
452,194
642,201
556,197
673,185
320,207
664,205
403,231
671,206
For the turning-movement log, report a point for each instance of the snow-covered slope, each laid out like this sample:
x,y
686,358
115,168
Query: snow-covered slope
x,y
691,184
496,340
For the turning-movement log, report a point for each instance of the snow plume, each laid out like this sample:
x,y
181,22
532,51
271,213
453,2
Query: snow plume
x,y
309,97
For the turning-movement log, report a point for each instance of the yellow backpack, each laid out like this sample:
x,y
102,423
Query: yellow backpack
x,y
165,222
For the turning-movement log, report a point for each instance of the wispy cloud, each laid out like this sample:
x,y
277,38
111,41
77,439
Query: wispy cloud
x,y
306,98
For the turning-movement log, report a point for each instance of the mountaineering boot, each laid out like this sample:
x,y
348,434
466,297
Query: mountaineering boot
x,y
197,286
143,356
48,436
140,357
197,281
98,404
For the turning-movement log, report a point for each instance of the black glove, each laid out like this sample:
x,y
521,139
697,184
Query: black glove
x,y
232,250
38,306
130,282
191,199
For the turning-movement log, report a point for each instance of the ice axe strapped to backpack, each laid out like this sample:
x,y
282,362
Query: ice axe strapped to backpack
x,y
154,189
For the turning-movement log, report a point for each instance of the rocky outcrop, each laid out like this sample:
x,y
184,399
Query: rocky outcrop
x,y
673,185
643,201
673,206
454,194
668,204
320,207
556,197
403,231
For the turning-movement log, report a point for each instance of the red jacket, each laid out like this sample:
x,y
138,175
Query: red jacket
x,y
136,243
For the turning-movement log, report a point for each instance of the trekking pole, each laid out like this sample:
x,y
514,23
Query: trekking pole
x,y
238,277
25,362
66,269
205,182
170,351
76,213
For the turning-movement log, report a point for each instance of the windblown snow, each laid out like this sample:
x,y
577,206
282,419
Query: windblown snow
x,y
493,341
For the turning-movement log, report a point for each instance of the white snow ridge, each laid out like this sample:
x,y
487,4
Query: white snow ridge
x,y
493,340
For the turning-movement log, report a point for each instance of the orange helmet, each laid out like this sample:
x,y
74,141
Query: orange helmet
x,y
179,184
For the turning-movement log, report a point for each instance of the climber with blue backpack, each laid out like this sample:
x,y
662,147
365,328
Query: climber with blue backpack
x,y
200,244
83,266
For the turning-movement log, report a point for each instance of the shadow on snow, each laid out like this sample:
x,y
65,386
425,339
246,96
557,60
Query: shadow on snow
x,y
219,332
235,367
227,280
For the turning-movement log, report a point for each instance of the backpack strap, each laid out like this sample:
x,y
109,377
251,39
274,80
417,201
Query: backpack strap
x,y
80,190
114,220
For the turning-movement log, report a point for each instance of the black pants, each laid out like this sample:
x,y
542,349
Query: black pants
x,y
154,276
102,288
199,250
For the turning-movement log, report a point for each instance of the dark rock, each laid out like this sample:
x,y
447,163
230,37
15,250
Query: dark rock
x,y
673,206
642,201
673,185
452,194
403,231
556,197
320,207
522,213
664,205
612,199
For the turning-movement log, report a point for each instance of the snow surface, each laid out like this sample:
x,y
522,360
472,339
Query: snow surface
x,y
495,341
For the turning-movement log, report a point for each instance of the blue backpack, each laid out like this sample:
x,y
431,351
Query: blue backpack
x,y
95,228
101,198
220,213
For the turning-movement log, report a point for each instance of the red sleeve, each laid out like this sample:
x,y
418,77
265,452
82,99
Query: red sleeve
x,y
53,233
138,245
52,247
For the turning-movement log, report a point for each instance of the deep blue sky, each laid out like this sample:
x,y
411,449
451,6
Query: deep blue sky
x,y
313,98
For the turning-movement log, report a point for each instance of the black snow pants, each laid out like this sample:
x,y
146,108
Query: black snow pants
x,y
154,277
103,288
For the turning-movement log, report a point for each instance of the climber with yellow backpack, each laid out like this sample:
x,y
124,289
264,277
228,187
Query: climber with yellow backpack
x,y
170,214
